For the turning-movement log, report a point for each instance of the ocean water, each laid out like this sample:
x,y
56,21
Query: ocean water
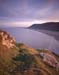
x,y
34,39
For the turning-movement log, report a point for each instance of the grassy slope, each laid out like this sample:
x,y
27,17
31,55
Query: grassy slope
x,y
24,60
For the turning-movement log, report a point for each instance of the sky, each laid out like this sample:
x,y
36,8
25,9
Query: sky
x,y
23,13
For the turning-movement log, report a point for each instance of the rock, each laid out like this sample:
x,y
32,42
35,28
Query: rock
x,y
6,39
50,59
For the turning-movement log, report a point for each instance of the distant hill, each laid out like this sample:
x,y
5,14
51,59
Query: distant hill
x,y
19,59
51,26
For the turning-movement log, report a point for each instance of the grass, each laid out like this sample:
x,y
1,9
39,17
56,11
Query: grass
x,y
27,59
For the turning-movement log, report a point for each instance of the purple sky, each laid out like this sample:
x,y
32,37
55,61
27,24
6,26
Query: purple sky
x,y
24,13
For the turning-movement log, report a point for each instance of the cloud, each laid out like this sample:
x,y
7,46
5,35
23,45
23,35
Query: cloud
x,y
28,11
15,24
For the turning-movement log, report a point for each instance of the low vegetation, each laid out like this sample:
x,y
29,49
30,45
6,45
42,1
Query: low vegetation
x,y
23,60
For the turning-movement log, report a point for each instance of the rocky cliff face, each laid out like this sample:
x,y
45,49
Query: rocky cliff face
x,y
6,39
7,46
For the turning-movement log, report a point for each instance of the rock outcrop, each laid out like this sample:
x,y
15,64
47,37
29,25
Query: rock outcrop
x,y
6,39
50,59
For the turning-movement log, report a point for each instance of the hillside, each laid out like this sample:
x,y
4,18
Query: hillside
x,y
51,26
20,59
